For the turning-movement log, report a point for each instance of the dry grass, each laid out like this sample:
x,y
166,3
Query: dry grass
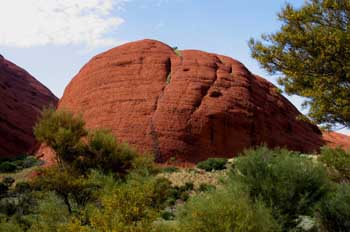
x,y
21,176
195,176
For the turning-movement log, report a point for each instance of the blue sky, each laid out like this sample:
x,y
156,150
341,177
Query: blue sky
x,y
53,39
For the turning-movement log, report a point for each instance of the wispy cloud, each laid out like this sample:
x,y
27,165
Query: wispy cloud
x,y
27,23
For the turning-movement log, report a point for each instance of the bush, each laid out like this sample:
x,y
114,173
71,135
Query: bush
x,y
143,165
74,190
338,163
8,181
15,201
204,187
62,131
50,215
9,226
7,166
22,187
225,210
103,152
65,134
335,210
212,164
131,206
170,169
290,184
31,161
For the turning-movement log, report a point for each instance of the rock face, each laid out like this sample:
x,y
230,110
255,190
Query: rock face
x,y
22,98
190,106
334,139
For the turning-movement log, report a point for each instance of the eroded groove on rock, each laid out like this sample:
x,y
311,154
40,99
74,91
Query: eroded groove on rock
x,y
154,133
205,91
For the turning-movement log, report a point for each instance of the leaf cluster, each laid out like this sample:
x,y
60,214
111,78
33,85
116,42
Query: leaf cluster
x,y
311,52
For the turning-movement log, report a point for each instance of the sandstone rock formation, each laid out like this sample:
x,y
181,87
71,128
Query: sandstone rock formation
x,y
22,98
190,105
334,139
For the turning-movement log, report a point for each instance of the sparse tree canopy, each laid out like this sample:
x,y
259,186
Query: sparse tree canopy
x,y
311,52
62,131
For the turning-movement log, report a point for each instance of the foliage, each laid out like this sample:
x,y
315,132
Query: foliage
x,y
9,226
132,206
62,131
290,184
212,164
311,51
335,210
103,185
65,133
143,165
7,166
170,169
102,151
74,190
5,184
50,215
338,163
206,187
225,210
29,161
177,51
18,163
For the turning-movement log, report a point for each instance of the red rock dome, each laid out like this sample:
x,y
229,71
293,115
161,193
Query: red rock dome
x,y
334,139
189,104
22,98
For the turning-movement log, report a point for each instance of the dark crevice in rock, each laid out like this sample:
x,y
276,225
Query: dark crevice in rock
x,y
215,94
168,68
212,133
154,132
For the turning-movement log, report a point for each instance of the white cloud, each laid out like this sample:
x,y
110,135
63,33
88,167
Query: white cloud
x,y
26,23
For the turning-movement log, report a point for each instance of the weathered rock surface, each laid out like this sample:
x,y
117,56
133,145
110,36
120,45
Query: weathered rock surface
x,y
190,106
22,98
334,139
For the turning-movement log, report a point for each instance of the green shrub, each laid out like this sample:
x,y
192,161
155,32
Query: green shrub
x,y
170,169
3,188
143,165
335,210
8,180
62,131
338,163
166,226
31,161
204,187
9,226
105,153
177,51
74,190
290,184
22,187
7,166
50,215
129,207
225,210
167,215
212,164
